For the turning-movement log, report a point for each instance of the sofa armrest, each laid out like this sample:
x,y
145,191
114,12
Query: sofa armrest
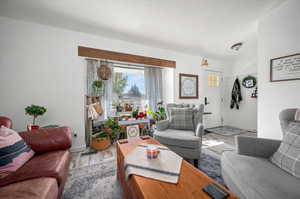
x,y
258,147
199,130
48,139
5,121
162,125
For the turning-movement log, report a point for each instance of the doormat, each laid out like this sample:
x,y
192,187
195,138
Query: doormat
x,y
226,130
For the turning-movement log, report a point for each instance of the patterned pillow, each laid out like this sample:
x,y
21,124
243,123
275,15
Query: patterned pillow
x,y
181,118
287,157
14,152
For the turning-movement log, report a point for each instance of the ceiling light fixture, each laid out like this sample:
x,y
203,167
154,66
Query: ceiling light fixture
x,y
204,63
236,46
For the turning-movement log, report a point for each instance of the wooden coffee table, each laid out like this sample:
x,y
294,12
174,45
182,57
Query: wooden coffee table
x,y
191,180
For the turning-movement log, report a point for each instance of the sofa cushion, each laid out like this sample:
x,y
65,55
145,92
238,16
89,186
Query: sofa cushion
x,y
14,152
38,188
181,118
287,157
52,164
258,178
181,138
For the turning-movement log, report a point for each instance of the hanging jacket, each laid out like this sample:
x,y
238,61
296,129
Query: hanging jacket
x,y
236,96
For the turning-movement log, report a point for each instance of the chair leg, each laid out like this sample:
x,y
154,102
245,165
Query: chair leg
x,y
196,163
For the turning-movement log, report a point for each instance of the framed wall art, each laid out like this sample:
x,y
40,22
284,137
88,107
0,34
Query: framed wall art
x,y
285,68
188,86
133,131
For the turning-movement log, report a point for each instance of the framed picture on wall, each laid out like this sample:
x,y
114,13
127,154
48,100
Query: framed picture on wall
x,y
133,131
285,68
188,86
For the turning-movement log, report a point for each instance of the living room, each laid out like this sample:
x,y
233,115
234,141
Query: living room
x,y
46,50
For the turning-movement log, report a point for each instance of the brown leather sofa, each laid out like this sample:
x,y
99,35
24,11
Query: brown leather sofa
x,y
44,176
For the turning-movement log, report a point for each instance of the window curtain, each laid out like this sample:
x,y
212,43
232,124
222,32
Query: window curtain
x,y
91,75
153,86
108,94
106,99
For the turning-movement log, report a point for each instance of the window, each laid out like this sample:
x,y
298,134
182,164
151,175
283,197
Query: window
x,y
128,89
213,80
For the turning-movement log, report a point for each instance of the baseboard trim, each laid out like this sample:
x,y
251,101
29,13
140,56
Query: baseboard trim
x,y
78,149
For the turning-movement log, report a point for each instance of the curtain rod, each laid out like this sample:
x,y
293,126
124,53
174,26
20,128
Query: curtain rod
x,y
125,64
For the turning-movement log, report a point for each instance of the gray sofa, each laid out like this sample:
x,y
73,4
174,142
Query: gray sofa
x,y
186,143
251,175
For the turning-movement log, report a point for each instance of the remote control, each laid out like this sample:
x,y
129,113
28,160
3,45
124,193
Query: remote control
x,y
215,191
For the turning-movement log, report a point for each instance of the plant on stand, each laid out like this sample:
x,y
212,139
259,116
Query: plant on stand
x,y
159,114
111,132
35,111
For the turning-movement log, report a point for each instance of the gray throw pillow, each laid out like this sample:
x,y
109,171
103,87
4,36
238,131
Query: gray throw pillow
x,y
287,157
181,118
197,115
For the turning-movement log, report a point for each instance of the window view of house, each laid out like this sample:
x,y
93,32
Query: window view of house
x,y
128,89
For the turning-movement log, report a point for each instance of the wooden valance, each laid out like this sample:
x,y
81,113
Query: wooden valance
x,y
123,57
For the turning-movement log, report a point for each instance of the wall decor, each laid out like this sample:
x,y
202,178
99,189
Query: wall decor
x,y
133,131
104,72
188,86
249,81
285,68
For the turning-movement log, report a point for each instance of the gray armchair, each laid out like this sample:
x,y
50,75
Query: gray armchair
x,y
186,143
250,174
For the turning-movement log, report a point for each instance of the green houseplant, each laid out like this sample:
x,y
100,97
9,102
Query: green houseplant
x,y
111,131
35,111
98,87
158,115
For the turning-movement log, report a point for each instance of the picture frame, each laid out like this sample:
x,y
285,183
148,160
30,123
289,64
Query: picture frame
x,y
286,68
188,86
133,131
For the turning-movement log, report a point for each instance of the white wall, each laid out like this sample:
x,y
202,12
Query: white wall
x,y
278,35
39,65
246,64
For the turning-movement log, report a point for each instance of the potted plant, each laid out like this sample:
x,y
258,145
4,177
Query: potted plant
x,y
35,111
111,131
101,141
135,113
98,87
160,114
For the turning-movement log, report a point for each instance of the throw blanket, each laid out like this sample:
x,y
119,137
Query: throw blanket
x,y
165,168
236,96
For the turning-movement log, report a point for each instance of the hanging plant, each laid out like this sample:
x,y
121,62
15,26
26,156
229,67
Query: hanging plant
x,y
249,82
104,72
98,87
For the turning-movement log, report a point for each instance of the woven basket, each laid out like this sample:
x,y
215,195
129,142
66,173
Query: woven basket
x,y
104,72
101,143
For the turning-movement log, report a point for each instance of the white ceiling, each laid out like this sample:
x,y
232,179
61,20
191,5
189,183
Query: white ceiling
x,y
200,27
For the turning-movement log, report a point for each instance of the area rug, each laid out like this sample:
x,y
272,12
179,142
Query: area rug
x,y
226,130
211,166
99,180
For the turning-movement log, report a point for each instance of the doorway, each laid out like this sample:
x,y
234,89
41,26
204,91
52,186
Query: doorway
x,y
213,98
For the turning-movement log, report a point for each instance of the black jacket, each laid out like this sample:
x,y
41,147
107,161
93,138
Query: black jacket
x,y
236,96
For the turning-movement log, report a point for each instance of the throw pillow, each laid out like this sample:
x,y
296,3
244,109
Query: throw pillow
x,y
14,152
287,157
197,115
181,118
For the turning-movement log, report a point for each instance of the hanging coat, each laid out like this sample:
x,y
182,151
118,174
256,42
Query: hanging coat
x,y
236,96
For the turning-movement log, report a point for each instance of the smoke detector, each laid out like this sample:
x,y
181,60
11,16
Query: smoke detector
x,y
236,46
